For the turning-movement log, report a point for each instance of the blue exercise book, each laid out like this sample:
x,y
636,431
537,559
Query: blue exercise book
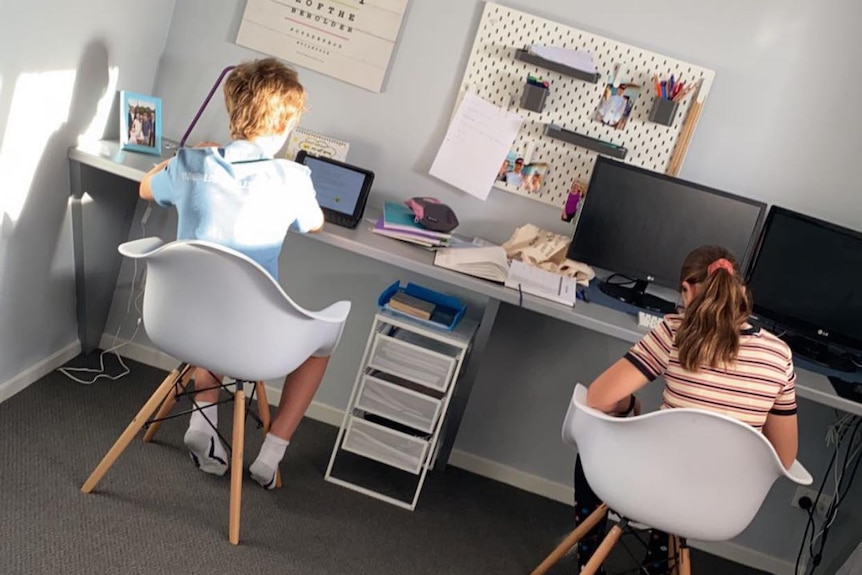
x,y
398,216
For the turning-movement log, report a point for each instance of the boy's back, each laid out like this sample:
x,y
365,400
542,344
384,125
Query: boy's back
x,y
239,197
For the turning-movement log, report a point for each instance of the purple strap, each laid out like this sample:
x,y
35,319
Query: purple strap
x,y
204,105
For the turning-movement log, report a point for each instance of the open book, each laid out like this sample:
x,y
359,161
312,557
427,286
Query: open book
x,y
487,262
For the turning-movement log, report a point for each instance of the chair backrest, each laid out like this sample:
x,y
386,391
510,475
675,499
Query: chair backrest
x,y
215,308
689,472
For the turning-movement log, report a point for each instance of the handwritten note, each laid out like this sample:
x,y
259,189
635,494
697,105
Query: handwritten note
x,y
476,143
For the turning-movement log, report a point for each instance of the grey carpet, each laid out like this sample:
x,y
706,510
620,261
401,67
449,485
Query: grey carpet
x,y
154,513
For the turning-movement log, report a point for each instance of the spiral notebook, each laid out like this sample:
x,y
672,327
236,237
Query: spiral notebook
x,y
316,145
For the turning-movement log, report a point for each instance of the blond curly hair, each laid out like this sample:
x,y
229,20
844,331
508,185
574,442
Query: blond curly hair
x,y
263,98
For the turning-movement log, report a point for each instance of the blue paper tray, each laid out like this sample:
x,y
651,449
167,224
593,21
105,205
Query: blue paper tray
x,y
449,310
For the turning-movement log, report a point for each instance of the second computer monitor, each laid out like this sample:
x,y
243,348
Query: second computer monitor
x,y
642,224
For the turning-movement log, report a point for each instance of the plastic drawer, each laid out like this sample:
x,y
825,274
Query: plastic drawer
x,y
404,406
404,357
385,445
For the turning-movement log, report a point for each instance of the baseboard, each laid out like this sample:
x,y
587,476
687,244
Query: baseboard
x,y
746,556
316,411
515,477
475,464
140,353
35,373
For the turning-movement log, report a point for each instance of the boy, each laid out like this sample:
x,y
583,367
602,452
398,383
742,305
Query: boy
x,y
241,197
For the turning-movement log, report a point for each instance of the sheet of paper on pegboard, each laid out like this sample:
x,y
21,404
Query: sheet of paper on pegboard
x,y
494,74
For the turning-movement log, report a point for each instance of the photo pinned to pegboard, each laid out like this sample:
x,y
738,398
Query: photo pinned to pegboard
x,y
495,73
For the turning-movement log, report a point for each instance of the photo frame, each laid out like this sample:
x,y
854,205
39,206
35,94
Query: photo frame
x,y
140,123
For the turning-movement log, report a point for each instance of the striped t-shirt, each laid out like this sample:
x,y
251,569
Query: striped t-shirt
x,y
761,380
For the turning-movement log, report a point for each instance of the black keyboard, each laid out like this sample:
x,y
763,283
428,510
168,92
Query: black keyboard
x,y
339,219
851,390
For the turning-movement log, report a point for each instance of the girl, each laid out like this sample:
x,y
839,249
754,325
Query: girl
x,y
711,358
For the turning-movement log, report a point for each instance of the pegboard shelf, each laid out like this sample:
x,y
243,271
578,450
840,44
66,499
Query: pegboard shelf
x,y
594,144
495,73
525,56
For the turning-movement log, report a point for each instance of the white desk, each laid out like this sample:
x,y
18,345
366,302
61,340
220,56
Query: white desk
x,y
103,206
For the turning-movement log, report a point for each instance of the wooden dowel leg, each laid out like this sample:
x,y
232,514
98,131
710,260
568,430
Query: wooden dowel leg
x,y
684,560
129,434
571,540
169,403
236,465
265,418
673,555
603,551
262,405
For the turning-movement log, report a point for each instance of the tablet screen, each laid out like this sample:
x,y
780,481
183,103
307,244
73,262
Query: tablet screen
x,y
338,188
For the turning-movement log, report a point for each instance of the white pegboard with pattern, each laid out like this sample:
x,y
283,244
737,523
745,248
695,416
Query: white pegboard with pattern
x,y
495,75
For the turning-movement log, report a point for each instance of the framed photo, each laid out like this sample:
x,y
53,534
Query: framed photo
x,y
140,123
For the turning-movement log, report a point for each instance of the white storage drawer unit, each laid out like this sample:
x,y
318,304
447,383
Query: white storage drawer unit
x,y
395,413
399,404
385,445
403,356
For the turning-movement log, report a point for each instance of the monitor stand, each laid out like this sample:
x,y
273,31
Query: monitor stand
x,y
819,353
636,295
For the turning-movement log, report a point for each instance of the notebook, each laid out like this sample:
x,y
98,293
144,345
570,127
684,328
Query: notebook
x,y
413,236
486,262
399,217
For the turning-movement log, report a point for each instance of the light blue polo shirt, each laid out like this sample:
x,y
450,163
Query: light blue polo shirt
x,y
239,197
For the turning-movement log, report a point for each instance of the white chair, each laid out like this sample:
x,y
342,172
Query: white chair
x,y
689,472
213,307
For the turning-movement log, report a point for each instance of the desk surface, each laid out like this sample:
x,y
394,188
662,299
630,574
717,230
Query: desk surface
x,y
107,156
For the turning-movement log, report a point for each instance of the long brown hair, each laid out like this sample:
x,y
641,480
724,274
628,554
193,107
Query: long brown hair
x,y
709,332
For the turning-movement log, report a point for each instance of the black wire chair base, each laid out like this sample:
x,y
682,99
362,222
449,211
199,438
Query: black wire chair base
x,y
179,393
665,565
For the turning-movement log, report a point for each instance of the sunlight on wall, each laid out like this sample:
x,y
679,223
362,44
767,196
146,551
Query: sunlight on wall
x,y
96,129
40,105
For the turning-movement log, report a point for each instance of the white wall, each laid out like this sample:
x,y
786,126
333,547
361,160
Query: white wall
x,y
767,133
55,70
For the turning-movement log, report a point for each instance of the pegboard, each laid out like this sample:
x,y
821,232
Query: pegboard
x,y
495,75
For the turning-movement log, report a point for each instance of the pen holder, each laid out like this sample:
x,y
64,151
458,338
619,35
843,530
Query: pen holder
x,y
533,97
663,111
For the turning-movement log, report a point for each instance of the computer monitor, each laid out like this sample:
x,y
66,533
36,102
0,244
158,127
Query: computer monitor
x,y
806,277
641,225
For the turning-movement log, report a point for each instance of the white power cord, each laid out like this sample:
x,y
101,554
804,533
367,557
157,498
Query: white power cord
x,y
100,372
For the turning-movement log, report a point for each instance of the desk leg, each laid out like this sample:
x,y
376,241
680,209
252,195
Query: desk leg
x,y
458,403
103,206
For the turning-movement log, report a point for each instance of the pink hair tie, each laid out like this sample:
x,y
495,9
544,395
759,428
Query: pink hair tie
x,y
721,263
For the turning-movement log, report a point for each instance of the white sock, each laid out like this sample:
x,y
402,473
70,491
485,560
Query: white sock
x,y
271,453
205,448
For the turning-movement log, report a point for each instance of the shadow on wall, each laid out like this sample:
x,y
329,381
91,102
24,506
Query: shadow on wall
x,y
38,273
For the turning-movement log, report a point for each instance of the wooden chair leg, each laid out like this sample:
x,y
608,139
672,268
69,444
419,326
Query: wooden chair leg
x,y
263,411
684,560
673,555
603,551
571,540
133,428
168,404
236,465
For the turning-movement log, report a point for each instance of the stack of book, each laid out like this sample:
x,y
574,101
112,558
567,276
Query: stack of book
x,y
411,305
399,222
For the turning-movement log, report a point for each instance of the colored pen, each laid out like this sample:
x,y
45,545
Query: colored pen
x,y
657,88
663,89
670,87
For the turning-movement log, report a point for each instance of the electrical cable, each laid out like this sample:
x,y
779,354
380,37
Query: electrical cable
x,y
100,372
627,280
838,497
810,522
